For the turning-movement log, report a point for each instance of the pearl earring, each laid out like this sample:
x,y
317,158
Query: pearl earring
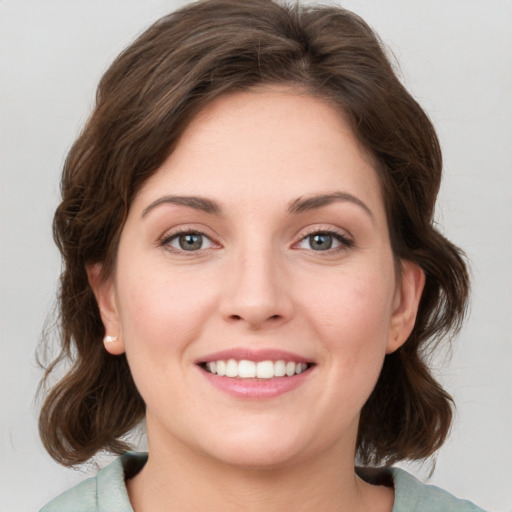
x,y
109,339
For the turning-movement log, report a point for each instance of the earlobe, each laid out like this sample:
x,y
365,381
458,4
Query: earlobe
x,y
406,305
104,292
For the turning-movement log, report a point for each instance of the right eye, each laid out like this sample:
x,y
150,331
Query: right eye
x,y
188,241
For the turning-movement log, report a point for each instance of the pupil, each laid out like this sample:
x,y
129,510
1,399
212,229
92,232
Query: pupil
x,y
191,242
321,242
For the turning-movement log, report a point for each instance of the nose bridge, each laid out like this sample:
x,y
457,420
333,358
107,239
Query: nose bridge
x,y
255,292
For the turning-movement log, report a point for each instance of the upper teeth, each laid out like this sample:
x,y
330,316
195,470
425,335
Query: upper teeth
x,y
246,369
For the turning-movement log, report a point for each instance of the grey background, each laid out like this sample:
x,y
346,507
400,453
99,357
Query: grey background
x,y
456,58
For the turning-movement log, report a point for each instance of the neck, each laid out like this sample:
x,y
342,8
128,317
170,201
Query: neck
x,y
180,480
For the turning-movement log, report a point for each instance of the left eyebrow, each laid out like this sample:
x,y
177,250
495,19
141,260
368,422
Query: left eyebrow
x,y
304,204
195,202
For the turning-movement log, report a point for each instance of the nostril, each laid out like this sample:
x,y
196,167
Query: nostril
x,y
272,318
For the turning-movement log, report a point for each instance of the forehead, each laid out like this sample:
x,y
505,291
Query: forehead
x,y
270,143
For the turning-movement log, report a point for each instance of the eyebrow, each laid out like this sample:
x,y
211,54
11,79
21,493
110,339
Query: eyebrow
x,y
304,204
300,205
197,203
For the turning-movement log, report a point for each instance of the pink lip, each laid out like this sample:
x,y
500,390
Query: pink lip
x,y
253,355
256,389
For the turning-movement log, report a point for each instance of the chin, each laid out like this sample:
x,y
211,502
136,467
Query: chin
x,y
257,458
261,448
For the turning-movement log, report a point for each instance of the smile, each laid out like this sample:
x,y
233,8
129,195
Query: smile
x,y
256,374
247,369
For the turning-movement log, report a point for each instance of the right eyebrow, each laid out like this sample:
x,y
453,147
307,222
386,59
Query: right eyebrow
x,y
195,202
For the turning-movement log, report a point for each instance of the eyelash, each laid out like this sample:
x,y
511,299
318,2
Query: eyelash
x,y
167,239
345,242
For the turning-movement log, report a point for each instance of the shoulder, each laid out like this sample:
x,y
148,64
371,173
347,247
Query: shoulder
x,y
81,498
413,495
106,491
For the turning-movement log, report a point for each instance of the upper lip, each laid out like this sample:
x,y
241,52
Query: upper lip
x,y
255,355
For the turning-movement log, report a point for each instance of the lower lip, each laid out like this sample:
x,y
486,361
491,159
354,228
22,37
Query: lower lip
x,y
256,388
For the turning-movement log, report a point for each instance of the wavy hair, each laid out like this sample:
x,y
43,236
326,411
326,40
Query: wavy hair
x,y
144,102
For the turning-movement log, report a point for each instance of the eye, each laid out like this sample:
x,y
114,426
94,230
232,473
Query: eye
x,y
188,241
324,241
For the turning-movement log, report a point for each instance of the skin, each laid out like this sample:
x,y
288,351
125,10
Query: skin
x,y
257,282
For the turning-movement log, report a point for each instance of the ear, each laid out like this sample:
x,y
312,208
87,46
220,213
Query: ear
x,y
104,292
405,307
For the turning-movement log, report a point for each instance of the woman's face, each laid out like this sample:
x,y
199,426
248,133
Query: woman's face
x,y
259,248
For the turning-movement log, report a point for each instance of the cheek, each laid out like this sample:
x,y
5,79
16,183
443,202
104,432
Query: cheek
x,y
161,312
358,306
352,318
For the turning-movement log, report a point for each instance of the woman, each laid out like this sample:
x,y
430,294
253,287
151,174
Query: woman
x,y
252,267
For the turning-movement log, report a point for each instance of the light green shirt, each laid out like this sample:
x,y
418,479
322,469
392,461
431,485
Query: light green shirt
x,y
107,492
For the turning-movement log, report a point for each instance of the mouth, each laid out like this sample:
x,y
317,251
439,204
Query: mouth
x,y
256,374
247,369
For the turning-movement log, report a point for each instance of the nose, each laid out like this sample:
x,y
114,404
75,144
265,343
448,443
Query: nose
x,y
256,292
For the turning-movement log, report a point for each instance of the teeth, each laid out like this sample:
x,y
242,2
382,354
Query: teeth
x,y
279,368
265,370
231,368
221,368
246,369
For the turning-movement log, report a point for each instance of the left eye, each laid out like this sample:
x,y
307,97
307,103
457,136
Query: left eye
x,y
323,241
189,241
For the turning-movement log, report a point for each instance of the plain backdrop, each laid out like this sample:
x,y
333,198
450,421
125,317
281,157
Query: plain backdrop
x,y
456,58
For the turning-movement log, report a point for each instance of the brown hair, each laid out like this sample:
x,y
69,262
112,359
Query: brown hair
x,y
144,102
